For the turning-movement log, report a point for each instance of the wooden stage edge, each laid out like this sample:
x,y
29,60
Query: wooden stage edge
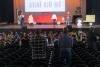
x,y
42,26
31,26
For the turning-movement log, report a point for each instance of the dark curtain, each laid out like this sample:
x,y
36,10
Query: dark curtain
x,y
0,10
93,7
6,11
7,14
90,5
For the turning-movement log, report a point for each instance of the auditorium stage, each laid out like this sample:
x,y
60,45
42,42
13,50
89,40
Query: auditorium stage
x,y
41,26
31,26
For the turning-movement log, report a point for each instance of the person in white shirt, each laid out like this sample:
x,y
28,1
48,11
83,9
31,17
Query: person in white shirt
x,y
20,18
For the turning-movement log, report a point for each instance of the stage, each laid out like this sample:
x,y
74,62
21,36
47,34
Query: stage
x,y
42,27
31,26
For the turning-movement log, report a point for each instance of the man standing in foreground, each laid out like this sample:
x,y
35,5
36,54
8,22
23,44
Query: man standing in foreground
x,y
65,43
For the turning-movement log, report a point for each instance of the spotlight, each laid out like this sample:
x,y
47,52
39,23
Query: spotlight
x,y
63,19
58,23
54,17
79,22
31,19
90,24
34,23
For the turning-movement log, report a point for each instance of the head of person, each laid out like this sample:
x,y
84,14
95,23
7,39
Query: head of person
x,y
65,30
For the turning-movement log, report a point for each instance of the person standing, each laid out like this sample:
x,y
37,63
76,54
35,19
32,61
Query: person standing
x,y
65,43
92,39
20,18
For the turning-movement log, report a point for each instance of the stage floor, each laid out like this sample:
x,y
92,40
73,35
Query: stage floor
x,y
33,26
15,26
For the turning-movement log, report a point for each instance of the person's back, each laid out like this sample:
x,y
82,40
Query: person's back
x,y
65,43
38,47
91,39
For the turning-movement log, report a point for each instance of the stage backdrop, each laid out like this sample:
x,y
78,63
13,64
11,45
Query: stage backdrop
x,y
42,10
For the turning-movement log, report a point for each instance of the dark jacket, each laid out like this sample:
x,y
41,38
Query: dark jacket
x,y
65,41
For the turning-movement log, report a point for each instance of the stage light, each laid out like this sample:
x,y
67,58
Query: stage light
x,y
34,23
58,22
90,24
63,19
79,22
54,17
31,20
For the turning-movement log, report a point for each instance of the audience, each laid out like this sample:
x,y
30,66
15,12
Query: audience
x,y
64,42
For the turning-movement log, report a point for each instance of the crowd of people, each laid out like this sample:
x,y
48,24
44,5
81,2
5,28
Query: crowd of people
x,y
65,39
11,37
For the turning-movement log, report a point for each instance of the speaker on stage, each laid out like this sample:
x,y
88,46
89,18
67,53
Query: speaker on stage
x,y
54,18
